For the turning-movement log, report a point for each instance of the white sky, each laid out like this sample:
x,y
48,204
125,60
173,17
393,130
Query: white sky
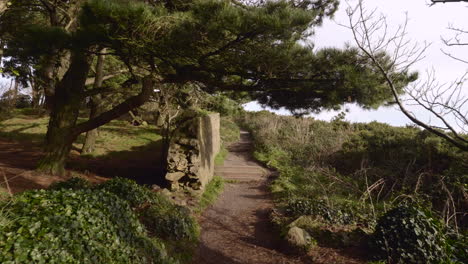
x,y
425,24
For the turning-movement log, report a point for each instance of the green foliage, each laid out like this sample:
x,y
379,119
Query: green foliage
x,y
75,226
212,190
160,217
75,183
456,246
117,138
229,131
221,156
223,105
318,208
409,234
340,173
409,160
128,190
170,222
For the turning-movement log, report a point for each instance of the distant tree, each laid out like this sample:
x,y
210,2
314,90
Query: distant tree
x,y
448,104
221,45
446,1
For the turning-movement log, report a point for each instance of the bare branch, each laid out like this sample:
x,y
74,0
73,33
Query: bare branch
x,y
442,102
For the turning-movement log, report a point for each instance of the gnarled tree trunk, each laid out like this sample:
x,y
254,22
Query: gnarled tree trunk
x,y
95,106
67,100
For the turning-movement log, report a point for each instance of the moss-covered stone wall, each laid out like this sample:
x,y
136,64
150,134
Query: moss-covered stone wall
x,y
192,152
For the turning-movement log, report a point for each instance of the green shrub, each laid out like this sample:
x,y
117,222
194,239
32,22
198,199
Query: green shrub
x,y
229,131
408,234
75,226
457,246
75,183
319,208
160,216
128,190
170,222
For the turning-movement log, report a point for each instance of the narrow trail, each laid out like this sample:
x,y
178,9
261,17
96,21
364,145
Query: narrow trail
x,y
236,229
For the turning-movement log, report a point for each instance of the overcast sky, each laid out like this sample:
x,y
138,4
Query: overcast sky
x,y
425,24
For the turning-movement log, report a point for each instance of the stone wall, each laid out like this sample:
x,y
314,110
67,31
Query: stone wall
x,y
192,152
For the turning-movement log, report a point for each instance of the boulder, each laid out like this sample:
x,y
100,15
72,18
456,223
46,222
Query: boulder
x,y
300,239
174,176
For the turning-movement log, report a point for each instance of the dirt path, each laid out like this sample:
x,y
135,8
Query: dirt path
x,y
236,229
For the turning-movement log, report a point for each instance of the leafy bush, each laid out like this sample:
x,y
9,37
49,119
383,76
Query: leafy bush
x,y
457,247
170,222
408,234
229,131
75,226
75,183
160,217
319,208
222,104
128,190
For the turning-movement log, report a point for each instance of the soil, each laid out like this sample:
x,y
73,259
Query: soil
x,y
18,162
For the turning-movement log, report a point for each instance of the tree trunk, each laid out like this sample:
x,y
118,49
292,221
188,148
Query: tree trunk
x,y
63,130
91,136
66,104
95,105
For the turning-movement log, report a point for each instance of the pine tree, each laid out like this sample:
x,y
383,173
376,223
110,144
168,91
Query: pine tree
x,y
248,46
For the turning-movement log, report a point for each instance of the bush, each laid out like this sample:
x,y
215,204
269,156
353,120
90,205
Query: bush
x,y
229,131
170,222
128,190
79,226
319,208
74,183
408,234
160,216
457,243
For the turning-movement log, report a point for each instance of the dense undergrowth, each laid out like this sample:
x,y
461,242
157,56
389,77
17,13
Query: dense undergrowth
x,y
357,176
114,222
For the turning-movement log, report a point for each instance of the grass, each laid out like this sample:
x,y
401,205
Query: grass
x,y
229,130
221,156
4,217
212,191
116,136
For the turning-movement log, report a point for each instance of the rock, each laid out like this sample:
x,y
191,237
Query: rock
x,y
194,169
194,158
193,142
305,221
174,176
166,192
300,239
174,186
182,164
195,185
144,123
184,141
156,188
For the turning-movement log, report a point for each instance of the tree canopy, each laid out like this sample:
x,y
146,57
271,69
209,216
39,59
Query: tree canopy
x,y
221,45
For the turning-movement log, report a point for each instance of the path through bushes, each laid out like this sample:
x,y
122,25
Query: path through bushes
x,y
237,228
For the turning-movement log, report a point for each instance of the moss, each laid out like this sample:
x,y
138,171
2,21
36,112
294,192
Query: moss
x,y
221,156
212,191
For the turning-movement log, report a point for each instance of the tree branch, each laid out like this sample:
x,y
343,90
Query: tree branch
x,y
90,81
363,36
129,104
